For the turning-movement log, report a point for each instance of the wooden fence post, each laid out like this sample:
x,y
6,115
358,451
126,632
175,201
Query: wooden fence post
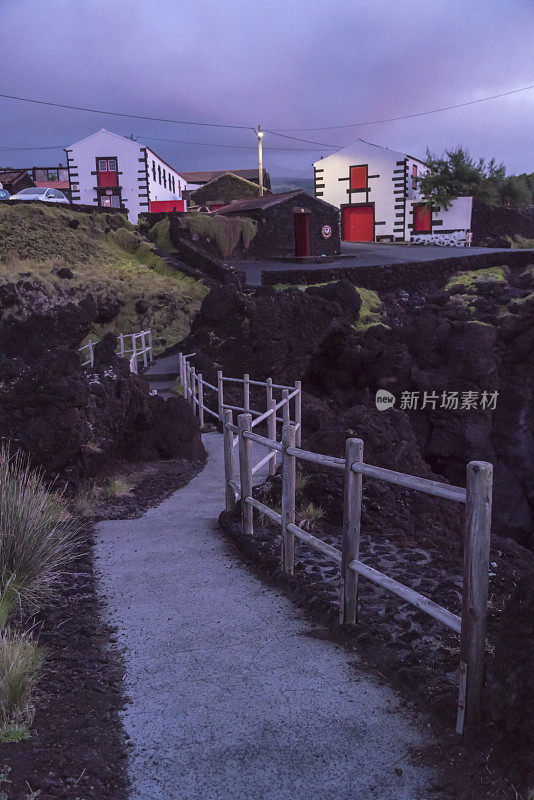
x,y
91,353
244,423
288,500
121,344
475,585
181,370
269,392
229,468
193,389
286,416
246,393
150,345
220,395
200,400
298,413
187,368
271,434
352,509
144,347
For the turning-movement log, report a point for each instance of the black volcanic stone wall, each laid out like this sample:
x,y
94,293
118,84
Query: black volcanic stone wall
x,y
490,226
387,277
276,236
225,189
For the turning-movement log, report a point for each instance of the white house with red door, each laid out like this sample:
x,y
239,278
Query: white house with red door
x,y
111,171
377,190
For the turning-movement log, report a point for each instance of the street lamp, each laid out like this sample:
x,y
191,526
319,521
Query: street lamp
x,y
259,133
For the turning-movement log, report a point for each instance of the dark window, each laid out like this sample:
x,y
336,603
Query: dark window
x,y
164,179
154,170
414,176
358,177
159,174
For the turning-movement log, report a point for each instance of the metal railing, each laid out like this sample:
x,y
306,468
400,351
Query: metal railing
x,y
140,347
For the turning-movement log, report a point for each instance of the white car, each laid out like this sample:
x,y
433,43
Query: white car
x,y
40,193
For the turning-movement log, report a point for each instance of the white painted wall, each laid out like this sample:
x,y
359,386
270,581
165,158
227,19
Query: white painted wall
x,y
454,225
157,190
389,190
131,168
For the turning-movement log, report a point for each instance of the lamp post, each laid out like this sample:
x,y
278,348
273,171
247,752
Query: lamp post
x,y
259,133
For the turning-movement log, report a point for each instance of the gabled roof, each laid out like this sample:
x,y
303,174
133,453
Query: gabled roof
x,y
270,200
206,177
224,175
11,175
353,145
139,145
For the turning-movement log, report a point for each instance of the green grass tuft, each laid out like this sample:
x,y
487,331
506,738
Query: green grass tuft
x,y
471,281
20,663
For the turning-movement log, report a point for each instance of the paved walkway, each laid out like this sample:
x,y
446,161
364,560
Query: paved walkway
x,y
363,254
232,699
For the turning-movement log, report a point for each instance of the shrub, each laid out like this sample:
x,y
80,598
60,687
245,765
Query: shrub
x,y
38,536
310,517
20,662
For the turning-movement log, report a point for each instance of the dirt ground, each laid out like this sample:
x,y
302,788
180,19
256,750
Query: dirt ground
x,y
77,748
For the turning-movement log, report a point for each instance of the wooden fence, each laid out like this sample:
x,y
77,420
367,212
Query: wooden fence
x,y
477,498
140,346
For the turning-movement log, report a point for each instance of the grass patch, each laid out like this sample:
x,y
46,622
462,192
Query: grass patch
x,y
518,242
226,233
310,517
108,258
371,309
472,281
20,663
38,535
118,488
160,235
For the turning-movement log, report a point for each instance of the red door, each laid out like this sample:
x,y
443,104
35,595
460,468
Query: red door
x,y
422,218
359,223
301,223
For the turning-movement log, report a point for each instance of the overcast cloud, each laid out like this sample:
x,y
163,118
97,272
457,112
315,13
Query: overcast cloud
x,y
281,63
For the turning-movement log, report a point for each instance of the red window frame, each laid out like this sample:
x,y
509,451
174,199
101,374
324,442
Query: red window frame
x,y
358,177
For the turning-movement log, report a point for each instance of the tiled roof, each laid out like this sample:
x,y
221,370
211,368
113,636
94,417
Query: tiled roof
x,y
204,177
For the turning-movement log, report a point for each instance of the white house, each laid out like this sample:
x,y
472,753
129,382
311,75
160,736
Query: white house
x,y
377,190
108,170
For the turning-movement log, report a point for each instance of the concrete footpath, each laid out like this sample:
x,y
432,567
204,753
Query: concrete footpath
x,y
231,697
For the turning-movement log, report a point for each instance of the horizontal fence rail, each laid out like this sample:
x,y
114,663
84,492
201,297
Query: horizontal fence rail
x,y
239,474
129,345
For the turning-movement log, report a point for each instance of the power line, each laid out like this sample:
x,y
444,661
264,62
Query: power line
x,y
129,116
235,146
4,148
297,139
409,116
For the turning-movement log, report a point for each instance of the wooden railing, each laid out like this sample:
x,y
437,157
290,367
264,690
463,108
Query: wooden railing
x,y
289,405
239,472
140,347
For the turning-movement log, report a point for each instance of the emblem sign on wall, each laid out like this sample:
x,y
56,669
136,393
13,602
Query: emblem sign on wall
x,y
326,231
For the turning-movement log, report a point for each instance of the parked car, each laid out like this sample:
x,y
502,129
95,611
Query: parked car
x,y
41,193
4,194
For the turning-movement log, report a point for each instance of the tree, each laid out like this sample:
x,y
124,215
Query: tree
x,y
456,174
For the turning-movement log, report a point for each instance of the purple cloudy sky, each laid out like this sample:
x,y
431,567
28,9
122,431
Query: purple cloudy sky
x,y
281,63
